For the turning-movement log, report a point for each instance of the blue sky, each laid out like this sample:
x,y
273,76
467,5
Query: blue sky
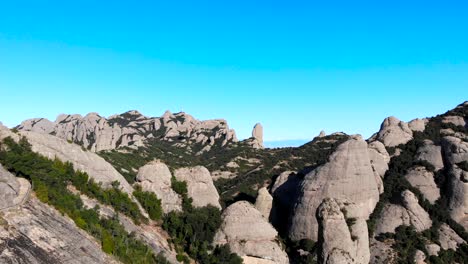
x,y
296,66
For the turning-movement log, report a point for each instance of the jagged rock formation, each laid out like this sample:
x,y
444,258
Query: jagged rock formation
x,y
394,132
248,233
409,213
341,243
156,177
432,154
132,129
264,202
347,175
200,186
96,167
36,233
423,180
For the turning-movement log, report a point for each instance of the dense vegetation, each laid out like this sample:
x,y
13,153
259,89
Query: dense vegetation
x,y
407,241
50,179
150,203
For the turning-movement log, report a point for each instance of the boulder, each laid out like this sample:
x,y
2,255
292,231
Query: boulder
x,y
418,125
394,132
13,191
432,154
341,243
419,257
455,149
433,249
155,177
423,180
347,175
448,239
264,202
248,233
455,120
409,213
200,186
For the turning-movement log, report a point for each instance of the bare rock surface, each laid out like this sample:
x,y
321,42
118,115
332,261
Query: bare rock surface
x,y
89,162
432,154
248,233
264,202
257,135
347,175
200,186
423,180
156,177
340,243
455,120
37,233
410,213
458,204
394,132
417,124
455,149
448,239
379,159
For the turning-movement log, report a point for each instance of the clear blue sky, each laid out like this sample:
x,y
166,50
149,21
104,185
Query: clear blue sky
x,y
296,66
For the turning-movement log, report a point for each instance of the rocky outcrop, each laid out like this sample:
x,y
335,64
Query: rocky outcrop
x,y
448,239
458,204
418,125
379,159
341,243
432,154
423,180
89,162
36,233
155,177
132,129
419,257
248,233
264,202
257,136
432,249
200,186
9,188
347,175
394,132
455,150
455,120
409,213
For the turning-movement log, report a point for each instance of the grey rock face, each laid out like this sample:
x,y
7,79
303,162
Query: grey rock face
x,y
156,177
394,132
411,213
379,159
9,188
38,234
419,257
347,175
132,129
89,162
264,202
458,204
433,249
432,154
257,135
200,186
248,233
417,124
448,239
340,242
456,120
423,180
455,149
